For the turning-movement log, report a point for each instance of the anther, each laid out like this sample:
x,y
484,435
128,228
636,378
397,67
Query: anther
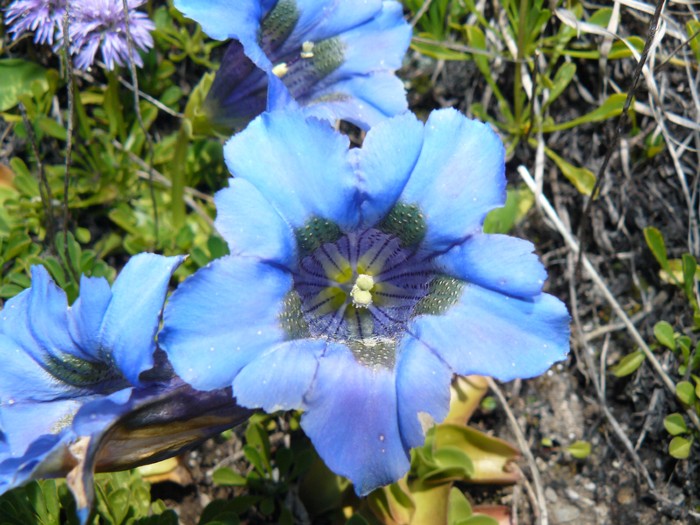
x,y
307,50
280,70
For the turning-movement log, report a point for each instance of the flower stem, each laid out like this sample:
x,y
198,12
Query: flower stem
x,y
177,205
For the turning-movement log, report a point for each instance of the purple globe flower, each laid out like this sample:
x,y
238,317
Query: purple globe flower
x,y
335,58
93,25
101,25
44,17
360,282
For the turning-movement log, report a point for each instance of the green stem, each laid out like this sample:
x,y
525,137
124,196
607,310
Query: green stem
x,y
518,83
179,161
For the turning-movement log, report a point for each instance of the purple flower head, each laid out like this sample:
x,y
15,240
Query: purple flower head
x,y
101,24
360,281
335,58
44,17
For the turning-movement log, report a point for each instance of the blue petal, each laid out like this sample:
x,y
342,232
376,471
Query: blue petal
x,y
25,422
378,45
364,100
497,262
221,318
22,378
251,226
40,459
221,20
321,19
132,318
352,421
423,389
97,414
279,378
86,314
299,165
47,317
384,163
458,179
492,334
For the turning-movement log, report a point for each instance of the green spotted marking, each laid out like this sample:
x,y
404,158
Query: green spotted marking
x,y
443,293
63,422
374,352
79,372
328,56
279,23
315,233
292,317
406,222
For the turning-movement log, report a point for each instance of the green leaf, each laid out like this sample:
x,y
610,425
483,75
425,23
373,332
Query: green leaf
x,y
675,424
518,203
357,519
562,79
579,449
679,447
693,29
655,241
226,476
16,79
663,332
479,519
685,392
628,364
612,107
459,508
583,179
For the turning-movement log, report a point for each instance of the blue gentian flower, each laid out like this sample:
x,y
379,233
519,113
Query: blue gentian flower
x,y
82,386
336,58
360,282
101,24
44,17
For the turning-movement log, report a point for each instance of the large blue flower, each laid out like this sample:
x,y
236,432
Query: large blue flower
x,y
83,386
336,58
360,281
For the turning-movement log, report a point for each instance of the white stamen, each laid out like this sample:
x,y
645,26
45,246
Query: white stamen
x,y
307,50
360,292
280,70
